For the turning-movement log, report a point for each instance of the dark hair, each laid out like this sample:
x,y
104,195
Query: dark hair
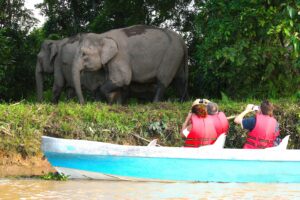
x,y
267,108
212,108
200,110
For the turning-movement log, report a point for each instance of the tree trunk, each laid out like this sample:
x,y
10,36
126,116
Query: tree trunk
x,y
74,5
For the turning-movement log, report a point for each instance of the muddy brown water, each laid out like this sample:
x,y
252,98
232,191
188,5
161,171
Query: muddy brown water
x,y
87,189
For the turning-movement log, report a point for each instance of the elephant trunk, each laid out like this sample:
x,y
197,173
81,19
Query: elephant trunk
x,y
39,81
76,69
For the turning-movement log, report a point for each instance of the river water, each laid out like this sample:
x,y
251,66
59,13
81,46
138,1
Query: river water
x,y
87,189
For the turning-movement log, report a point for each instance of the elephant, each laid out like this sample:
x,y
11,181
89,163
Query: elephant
x,y
56,56
141,54
45,63
63,70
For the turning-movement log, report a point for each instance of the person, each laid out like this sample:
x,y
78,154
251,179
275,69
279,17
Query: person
x,y
263,128
220,121
198,128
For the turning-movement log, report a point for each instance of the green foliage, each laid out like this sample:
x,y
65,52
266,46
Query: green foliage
x,y
55,176
141,12
224,97
298,95
247,49
157,128
17,51
68,17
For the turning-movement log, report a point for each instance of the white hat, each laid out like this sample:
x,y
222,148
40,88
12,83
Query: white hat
x,y
196,102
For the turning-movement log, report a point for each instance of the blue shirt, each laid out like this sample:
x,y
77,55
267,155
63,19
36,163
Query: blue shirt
x,y
249,124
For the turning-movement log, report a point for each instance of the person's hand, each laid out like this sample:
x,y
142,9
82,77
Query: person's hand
x,y
249,108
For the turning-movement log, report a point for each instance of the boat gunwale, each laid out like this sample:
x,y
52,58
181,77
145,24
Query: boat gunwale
x,y
108,149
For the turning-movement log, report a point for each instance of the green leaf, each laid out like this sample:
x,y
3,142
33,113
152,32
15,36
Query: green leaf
x,y
287,32
291,11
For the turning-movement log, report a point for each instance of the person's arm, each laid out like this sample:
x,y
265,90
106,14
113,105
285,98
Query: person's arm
x,y
186,125
239,119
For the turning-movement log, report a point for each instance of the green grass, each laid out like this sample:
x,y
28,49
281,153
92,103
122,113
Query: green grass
x,y
22,124
54,176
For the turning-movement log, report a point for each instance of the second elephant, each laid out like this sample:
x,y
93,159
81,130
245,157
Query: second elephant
x,y
56,57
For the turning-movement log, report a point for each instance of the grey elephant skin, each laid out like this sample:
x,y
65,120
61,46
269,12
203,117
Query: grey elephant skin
x,y
56,56
137,54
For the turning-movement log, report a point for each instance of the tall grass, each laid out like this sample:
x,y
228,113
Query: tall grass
x,y
22,124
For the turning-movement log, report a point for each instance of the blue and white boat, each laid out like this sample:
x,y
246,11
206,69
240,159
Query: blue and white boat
x,y
97,160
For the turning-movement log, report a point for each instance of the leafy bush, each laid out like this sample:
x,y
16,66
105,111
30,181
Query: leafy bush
x,y
55,176
247,49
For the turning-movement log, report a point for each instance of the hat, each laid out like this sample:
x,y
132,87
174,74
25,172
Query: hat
x,y
196,102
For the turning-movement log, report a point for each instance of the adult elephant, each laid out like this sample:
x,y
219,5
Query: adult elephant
x,y
56,56
45,63
140,54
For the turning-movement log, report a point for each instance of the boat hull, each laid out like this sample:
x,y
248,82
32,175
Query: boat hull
x,y
217,166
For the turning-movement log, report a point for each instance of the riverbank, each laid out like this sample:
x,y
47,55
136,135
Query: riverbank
x,y
14,165
22,125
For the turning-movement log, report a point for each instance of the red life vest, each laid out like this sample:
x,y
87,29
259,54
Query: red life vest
x,y
220,122
203,132
263,134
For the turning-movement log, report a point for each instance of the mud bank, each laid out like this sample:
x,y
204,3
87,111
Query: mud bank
x,y
13,165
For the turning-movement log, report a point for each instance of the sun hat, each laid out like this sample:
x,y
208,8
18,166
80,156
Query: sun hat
x,y
196,102
200,101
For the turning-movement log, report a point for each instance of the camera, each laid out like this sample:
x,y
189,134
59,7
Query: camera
x,y
255,108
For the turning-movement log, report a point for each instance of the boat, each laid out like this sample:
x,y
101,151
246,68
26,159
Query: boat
x,y
98,160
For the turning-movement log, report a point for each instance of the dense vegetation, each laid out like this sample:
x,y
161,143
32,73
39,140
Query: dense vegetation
x,y
239,49
23,124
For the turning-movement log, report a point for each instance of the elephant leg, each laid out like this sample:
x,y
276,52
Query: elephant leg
x,y
58,85
115,97
125,94
159,92
170,65
107,90
180,84
97,94
71,93
56,93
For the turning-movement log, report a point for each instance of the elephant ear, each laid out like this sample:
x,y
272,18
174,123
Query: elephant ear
x,y
109,49
53,52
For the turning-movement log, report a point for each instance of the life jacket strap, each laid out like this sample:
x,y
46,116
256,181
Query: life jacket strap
x,y
259,139
200,139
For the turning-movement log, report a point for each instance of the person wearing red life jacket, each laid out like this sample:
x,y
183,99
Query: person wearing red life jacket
x,y
198,128
263,128
220,121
